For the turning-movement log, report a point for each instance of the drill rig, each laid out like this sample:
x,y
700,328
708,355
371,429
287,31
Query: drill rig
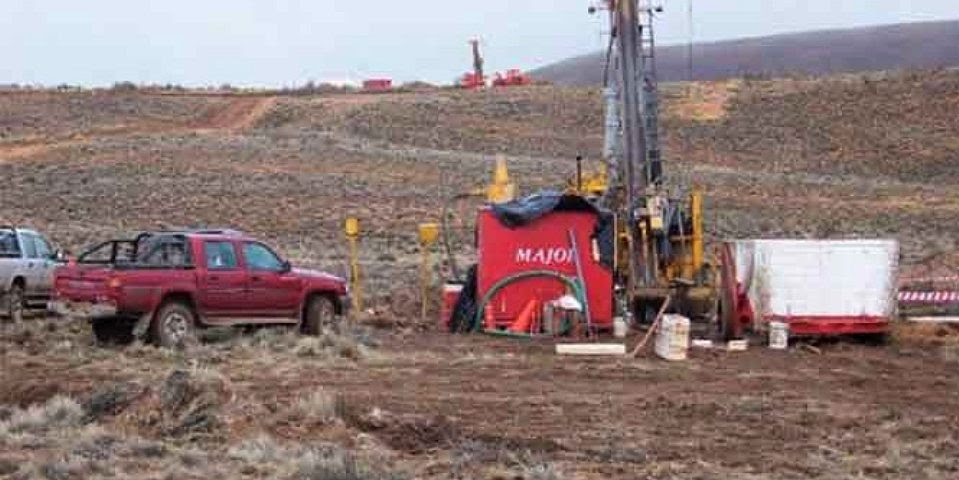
x,y
477,78
657,244
659,241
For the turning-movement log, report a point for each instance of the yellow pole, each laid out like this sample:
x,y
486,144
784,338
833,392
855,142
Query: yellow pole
x,y
352,229
425,283
697,208
357,287
429,232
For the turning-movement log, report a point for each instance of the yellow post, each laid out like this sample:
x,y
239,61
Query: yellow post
x,y
352,230
429,232
696,202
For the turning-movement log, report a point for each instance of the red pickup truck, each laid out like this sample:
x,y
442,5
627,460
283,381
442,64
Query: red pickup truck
x,y
162,286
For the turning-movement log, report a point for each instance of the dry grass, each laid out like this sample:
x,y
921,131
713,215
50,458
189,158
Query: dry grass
x,y
336,464
317,406
915,333
58,439
700,102
59,413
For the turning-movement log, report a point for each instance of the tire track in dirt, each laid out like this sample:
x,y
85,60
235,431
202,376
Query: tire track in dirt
x,y
236,116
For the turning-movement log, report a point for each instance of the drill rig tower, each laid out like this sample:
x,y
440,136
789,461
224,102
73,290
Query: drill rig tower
x,y
660,236
477,61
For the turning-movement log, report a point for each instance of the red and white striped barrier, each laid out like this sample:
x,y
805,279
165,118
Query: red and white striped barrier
x,y
928,297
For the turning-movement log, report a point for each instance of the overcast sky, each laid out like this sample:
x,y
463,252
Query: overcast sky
x,y
285,42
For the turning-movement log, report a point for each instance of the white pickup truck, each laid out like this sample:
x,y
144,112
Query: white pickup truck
x,y
27,261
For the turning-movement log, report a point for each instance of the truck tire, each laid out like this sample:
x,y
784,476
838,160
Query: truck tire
x,y
174,325
15,303
320,316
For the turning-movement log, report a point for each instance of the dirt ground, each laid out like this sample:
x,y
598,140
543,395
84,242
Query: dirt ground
x,y
431,405
840,157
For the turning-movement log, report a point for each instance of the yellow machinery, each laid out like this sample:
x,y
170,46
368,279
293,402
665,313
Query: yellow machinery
x,y
660,255
660,247
667,235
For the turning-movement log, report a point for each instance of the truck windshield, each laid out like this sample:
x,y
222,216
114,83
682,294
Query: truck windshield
x,y
9,247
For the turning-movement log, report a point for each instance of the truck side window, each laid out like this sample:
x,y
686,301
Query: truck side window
x,y
219,255
164,251
259,257
9,247
29,248
42,247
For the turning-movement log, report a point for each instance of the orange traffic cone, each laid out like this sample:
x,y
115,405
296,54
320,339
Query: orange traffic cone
x,y
525,319
490,320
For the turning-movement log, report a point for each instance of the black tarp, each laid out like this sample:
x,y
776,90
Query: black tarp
x,y
523,211
463,316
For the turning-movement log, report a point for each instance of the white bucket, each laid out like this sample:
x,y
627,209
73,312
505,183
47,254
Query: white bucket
x,y
672,339
778,335
619,327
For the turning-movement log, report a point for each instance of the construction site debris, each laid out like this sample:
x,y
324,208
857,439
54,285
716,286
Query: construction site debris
x,y
701,343
672,339
590,349
620,327
737,345
778,335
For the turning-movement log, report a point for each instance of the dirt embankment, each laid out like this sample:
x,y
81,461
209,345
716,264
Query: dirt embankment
x,y
231,115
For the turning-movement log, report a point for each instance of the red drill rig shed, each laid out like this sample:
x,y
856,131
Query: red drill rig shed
x,y
542,244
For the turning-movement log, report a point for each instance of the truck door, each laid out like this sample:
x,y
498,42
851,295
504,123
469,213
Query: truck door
x,y
222,283
44,266
274,291
32,266
10,255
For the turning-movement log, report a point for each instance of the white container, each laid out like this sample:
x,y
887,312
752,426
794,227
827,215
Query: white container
x,y
672,338
619,327
818,278
778,335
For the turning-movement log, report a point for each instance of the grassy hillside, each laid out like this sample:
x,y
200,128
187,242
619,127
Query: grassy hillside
x,y
890,47
844,156
837,157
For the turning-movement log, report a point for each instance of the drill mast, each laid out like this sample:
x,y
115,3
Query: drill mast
x,y
660,237
477,59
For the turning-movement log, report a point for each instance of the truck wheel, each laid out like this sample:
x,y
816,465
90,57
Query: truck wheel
x,y
174,325
15,303
320,316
